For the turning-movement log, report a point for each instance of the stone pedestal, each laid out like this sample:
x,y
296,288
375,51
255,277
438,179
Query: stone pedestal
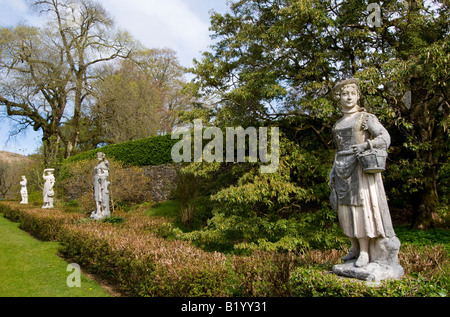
x,y
373,272
383,263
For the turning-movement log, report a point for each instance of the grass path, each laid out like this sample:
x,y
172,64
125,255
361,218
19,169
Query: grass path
x,y
32,268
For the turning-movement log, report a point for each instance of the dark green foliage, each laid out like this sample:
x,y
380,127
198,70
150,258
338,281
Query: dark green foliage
x,y
149,151
114,220
424,237
276,211
242,235
315,282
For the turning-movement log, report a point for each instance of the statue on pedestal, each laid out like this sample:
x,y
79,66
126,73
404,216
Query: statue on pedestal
x,y
48,193
24,191
101,188
357,191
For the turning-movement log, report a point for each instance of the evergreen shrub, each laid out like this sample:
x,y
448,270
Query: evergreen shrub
x,y
143,152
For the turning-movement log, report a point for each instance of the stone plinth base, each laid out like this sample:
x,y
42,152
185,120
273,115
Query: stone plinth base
x,y
373,272
383,264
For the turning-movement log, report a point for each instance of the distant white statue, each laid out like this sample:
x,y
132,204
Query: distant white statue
x,y
101,188
24,191
49,182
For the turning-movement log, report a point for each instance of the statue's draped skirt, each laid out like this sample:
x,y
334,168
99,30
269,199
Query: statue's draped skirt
x,y
358,197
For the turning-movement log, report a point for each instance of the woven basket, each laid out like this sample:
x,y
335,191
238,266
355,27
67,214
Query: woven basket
x,y
373,160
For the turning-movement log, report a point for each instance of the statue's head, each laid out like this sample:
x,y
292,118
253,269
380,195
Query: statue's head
x,y
49,171
100,156
347,93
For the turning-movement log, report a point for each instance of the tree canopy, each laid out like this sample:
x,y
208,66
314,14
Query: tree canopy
x,y
275,62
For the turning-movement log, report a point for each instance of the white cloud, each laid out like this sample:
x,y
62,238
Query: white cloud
x,y
16,11
168,23
15,5
182,25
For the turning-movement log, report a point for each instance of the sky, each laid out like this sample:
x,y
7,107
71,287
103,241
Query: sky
x,y
182,25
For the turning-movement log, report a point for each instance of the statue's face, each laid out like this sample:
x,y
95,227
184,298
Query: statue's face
x,y
349,97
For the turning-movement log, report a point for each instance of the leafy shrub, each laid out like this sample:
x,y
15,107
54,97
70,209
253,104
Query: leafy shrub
x,y
296,186
261,274
429,261
114,220
239,234
149,151
271,212
9,212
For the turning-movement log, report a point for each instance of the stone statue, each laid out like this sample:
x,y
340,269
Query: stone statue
x,y
101,188
357,191
24,191
49,182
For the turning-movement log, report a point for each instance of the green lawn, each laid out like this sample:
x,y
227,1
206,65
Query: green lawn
x,y
166,209
32,268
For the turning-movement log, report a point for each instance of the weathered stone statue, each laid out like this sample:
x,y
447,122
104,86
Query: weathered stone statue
x,y
48,193
357,191
24,191
101,188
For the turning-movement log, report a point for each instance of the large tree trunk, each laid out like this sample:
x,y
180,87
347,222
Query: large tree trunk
x,y
74,138
51,142
425,201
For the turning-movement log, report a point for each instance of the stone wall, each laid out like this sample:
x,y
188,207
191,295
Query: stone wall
x,y
162,181
144,183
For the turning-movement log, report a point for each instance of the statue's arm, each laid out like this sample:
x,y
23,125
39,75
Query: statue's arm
x,y
332,177
381,138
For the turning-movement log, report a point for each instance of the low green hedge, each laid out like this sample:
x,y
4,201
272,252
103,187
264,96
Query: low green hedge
x,y
43,224
143,264
149,151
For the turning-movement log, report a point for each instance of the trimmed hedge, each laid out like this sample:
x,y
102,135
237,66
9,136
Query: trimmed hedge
x,y
143,152
144,265
43,224
141,263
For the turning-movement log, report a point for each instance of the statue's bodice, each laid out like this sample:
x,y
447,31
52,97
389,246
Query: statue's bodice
x,y
101,170
349,133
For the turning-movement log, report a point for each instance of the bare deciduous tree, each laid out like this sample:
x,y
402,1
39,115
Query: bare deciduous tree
x,y
45,73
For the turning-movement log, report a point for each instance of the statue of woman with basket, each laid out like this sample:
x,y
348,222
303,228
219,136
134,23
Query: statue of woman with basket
x,y
357,191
